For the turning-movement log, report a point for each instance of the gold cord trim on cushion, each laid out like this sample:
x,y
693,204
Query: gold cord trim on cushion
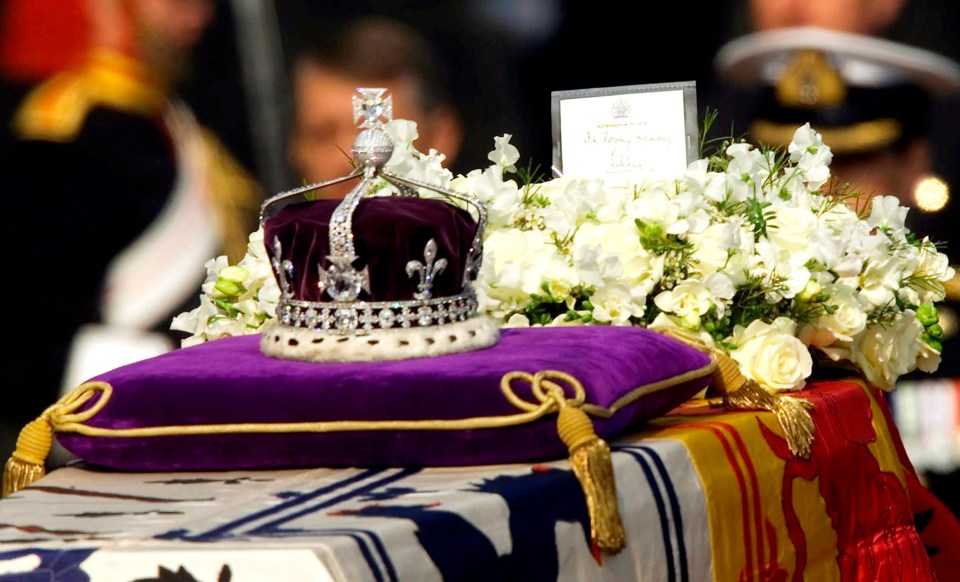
x,y
741,393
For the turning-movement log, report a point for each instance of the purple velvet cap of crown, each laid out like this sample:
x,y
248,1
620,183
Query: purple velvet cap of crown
x,y
231,381
387,233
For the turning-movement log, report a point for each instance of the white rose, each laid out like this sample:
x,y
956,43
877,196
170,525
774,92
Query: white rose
x,y
848,319
666,322
772,355
885,353
517,320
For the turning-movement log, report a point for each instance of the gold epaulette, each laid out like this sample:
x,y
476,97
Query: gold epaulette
x,y
53,111
58,107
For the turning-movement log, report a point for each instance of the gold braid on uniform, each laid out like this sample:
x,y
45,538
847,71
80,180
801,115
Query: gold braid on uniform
x,y
57,108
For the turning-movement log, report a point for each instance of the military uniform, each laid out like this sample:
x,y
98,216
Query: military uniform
x,y
111,184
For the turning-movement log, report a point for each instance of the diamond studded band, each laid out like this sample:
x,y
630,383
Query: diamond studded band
x,y
358,317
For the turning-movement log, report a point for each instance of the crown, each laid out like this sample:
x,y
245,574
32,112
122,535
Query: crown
x,y
383,274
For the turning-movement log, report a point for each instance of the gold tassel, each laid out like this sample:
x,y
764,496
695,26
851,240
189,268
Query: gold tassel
x,y
27,463
593,467
742,393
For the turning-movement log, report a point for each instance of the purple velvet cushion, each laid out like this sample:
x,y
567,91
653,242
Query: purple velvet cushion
x,y
230,381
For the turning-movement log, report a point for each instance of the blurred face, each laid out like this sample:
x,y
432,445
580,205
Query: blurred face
x,y
169,30
858,16
323,132
874,177
889,173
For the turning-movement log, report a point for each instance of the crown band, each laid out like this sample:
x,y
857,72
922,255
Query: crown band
x,y
358,317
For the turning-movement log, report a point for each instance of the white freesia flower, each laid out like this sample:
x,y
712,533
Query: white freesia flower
x,y
690,297
745,252
615,304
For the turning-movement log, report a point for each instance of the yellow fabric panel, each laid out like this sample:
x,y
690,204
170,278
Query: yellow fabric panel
x,y
743,480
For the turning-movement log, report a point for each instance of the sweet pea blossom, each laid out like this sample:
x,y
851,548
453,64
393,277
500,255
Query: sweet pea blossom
x,y
504,153
886,212
811,155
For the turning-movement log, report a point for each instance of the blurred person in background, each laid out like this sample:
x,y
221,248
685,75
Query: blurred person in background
x,y
117,197
369,51
869,84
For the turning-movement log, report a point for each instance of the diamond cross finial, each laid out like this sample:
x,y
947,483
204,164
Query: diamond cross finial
x,y
372,107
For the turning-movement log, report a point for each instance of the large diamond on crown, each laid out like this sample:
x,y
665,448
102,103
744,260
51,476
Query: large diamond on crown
x,y
341,281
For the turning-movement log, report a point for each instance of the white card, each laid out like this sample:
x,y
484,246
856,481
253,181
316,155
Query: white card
x,y
625,134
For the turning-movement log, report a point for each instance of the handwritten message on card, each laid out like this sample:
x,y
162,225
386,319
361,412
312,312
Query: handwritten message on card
x,y
625,134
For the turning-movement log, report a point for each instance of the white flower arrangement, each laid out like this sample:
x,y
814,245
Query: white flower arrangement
x,y
756,251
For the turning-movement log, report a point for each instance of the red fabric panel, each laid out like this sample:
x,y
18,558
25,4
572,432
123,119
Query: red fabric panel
x,y
938,527
40,37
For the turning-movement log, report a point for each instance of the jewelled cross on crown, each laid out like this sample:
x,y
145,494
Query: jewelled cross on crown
x,y
341,280
371,106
